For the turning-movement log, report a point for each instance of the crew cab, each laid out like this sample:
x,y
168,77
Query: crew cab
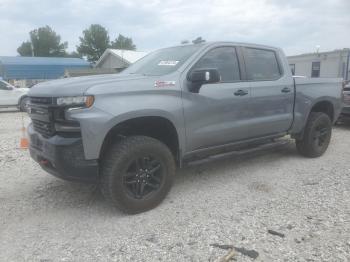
x,y
129,132
11,96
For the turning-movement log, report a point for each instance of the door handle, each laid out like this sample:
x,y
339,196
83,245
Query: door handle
x,y
240,92
285,90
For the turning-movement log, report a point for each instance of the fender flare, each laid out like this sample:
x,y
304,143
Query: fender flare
x,y
300,134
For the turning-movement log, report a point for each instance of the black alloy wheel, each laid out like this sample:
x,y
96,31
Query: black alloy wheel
x,y
143,177
137,173
317,135
321,135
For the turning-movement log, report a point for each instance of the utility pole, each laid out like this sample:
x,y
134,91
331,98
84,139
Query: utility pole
x,y
122,50
347,66
32,47
317,49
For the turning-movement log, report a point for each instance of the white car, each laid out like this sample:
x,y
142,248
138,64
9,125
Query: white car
x,y
12,96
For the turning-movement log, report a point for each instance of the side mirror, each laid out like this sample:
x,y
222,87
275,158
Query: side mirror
x,y
199,77
204,76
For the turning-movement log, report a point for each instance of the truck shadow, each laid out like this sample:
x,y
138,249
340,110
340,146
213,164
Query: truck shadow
x,y
60,194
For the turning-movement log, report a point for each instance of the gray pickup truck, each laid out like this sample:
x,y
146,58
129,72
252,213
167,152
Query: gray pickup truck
x,y
129,132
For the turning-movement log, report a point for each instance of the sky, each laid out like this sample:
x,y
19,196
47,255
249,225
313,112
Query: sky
x,y
297,26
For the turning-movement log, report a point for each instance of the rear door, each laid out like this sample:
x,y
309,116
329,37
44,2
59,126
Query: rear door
x,y
218,114
272,92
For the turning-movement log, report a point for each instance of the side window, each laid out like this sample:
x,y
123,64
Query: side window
x,y
224,59
261,64
3,86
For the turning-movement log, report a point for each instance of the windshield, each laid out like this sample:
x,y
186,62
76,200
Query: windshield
x,y
163,61
5,86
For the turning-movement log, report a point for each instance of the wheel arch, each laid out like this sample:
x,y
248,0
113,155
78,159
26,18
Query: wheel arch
x,y
158,127
324,106
321,105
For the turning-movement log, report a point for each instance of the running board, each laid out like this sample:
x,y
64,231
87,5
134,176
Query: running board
x,y
261,147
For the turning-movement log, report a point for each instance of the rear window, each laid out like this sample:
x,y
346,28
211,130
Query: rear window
x,y
261,64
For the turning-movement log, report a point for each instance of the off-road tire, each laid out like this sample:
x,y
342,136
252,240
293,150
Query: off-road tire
x,y
114,166
309,145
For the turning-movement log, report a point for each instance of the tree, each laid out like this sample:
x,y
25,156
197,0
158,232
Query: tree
x,y
122,42
184,42
198,40
25,49
43,42
94,42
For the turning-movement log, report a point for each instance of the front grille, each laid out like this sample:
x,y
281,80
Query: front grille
x,y
41,115
41,100
44,128
46,116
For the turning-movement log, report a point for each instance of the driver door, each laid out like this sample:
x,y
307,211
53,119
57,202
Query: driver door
x,y
219,113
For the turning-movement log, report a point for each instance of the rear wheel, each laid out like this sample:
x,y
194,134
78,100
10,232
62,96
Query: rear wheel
x,y
137,173
23,104
317,135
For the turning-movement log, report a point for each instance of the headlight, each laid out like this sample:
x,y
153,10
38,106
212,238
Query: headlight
x,y
76,101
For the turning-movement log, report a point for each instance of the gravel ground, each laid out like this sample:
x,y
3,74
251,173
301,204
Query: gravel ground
x,y
211,207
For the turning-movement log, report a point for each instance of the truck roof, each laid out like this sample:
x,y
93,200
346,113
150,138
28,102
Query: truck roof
x,y
211,43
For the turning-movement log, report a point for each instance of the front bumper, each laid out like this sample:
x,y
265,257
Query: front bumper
x,y
62,157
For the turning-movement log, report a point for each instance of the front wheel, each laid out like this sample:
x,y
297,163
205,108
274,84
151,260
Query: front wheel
x,y
317,135
137,173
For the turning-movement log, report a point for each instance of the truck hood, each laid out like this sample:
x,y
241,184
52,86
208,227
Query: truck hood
x,y
76,86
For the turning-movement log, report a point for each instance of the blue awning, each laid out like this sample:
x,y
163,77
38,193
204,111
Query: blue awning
x,y
38,67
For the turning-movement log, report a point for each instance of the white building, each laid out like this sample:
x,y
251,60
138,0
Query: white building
x,y
323,64
118,59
